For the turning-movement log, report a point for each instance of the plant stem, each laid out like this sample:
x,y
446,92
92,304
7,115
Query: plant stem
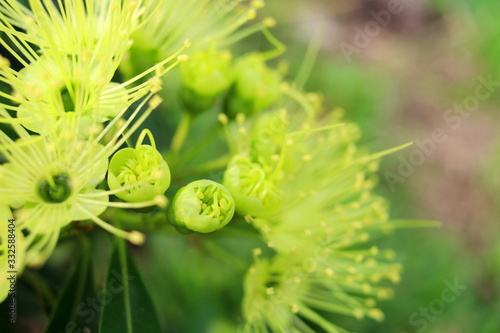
x,y
213,165
196,148
181,133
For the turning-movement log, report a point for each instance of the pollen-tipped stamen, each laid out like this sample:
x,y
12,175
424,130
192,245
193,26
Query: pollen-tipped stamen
x,y
133,236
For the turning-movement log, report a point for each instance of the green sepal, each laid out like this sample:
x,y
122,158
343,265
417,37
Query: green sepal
x,y
135,156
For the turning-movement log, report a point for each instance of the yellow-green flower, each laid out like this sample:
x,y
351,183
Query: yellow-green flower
x,y
301,180
203,22
80,117
51,97
291,292
51,180
70,55
88,32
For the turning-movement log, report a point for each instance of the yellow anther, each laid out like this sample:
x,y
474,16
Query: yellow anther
x,y
243,131
154,87
222,118
269,22
136,237
258,4
252,14
376,314
307,158
155,101
370,302
358,314
4,62
240,118
266,229
160,201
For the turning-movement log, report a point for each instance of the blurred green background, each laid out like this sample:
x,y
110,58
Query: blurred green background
x,y
410,74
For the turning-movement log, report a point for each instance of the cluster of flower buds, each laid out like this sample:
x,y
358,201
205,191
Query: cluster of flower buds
x,y
249,84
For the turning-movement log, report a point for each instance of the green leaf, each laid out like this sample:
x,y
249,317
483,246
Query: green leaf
x,y
76,309
131,308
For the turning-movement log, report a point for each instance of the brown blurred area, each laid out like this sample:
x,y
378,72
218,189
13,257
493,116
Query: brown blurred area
x,y
427,56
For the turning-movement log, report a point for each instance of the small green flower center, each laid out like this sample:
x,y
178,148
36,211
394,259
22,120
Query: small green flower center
x,y
67,100
58,191
137,169
214,202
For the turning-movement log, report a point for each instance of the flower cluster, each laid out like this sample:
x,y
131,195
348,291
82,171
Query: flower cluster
x,y
298,177
67,118
292,170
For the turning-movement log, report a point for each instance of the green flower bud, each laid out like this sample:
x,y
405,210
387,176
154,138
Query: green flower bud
x,y
205,76
141,172
256,86
202,206
252,189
